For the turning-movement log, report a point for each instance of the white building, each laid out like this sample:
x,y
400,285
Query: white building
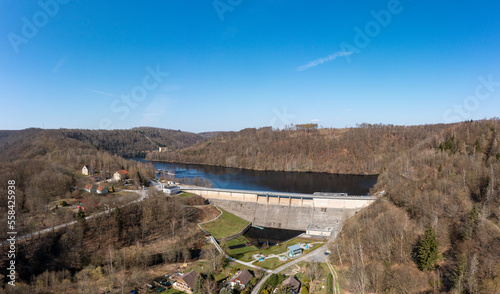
x,y
85,170
171,190
319,230
120,175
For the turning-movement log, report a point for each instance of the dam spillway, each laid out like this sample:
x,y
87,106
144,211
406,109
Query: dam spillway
x,y
293,211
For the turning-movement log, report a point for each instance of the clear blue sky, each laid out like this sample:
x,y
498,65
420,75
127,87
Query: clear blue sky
x,y
235,64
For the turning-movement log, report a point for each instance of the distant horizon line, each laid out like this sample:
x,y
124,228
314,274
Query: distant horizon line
x,y
358,125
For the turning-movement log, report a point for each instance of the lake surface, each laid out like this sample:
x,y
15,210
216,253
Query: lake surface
x,y
274,181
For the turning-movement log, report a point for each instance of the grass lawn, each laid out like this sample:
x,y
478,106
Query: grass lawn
x,y
271,263
186,195
226,225
237,251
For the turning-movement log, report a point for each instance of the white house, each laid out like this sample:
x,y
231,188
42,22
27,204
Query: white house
x,y
85,170
171,190
120,175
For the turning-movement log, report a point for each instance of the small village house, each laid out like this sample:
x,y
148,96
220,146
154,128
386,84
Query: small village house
x,y
85,170
186,282
120,175
241,279
90,188
293,284
102,190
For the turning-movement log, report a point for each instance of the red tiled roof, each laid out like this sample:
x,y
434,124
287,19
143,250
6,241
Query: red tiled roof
x,y
89,186
100,188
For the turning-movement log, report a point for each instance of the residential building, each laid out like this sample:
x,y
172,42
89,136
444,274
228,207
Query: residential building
x,y
294,250
293,284
240,279
85,170
102,190
186,282
90,188
120,175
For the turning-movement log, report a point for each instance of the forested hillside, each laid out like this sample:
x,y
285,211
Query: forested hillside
x,y
437,227
45,165
136,141
109,252
367,149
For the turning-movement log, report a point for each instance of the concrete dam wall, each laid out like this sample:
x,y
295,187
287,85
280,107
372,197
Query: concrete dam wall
x,y
285,210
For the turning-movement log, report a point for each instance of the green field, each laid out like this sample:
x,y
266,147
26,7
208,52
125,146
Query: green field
x,y
226,225
271,263
186,195
239,241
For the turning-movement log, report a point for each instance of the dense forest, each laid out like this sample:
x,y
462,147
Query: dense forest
x,y
135,142
366,149
437,227
113,252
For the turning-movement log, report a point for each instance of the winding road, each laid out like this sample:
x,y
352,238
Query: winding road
x,y
142,194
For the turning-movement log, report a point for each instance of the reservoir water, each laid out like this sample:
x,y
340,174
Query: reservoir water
x,y
274,181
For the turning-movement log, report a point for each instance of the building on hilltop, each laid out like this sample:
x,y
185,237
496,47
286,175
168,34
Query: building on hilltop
x,y
186,282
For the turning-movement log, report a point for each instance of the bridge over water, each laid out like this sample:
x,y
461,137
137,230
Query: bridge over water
x,y
292,211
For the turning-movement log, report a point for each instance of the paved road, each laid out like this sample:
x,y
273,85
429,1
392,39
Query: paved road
x,y
142,194
318,251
